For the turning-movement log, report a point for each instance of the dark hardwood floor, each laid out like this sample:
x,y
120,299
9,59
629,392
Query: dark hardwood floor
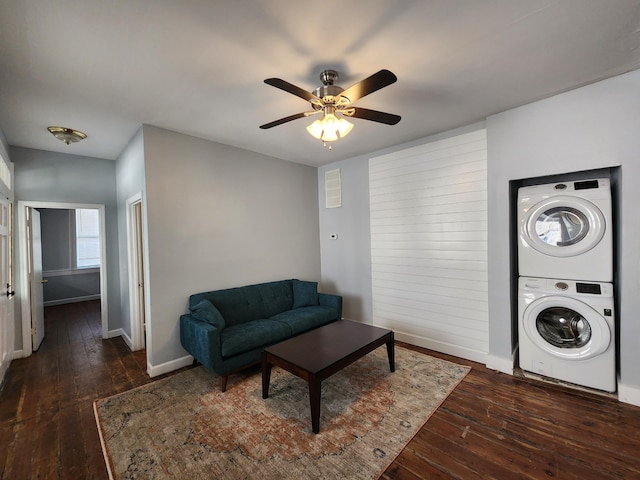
x,y
493,426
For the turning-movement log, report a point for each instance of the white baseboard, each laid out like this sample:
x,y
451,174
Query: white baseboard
x,y
64,301
155,370
442,347
504,365
17,354
119,332
629,394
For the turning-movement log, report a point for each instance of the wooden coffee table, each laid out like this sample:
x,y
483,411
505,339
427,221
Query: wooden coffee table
x,y
318,354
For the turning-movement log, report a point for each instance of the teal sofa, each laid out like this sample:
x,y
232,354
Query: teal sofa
x,y
226,330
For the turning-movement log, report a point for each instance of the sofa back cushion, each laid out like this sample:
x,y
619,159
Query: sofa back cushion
x,y
305,294
205,311
251,302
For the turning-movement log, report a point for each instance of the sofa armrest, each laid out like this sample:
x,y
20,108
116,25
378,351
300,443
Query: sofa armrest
x,y
202,340
330,300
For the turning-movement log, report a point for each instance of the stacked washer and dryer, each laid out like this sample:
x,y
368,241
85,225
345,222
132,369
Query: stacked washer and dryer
x,y
566,323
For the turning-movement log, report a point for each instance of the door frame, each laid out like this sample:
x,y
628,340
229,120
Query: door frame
x,y
22,265
136,253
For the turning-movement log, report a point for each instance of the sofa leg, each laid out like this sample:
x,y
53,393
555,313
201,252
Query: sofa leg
x,y
223,383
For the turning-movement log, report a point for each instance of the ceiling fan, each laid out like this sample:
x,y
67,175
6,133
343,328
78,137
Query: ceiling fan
x,y
330,99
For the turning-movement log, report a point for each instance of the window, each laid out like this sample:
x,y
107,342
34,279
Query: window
x,y
87,238
5,172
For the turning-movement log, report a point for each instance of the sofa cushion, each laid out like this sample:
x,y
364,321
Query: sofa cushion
x,y
244,304
247,336
305,294
205,311
306,318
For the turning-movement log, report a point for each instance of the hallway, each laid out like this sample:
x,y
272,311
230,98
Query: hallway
x,y
47,427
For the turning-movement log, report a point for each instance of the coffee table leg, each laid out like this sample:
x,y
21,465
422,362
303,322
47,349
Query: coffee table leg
x,y
391,353
315,388
266,375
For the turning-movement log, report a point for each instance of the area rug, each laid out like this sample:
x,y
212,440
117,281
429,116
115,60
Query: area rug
x,y
183,427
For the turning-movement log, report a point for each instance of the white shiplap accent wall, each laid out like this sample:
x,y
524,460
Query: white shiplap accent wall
x,y
428,209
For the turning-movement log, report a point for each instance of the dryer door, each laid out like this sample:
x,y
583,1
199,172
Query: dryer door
x,y
563,226
566,328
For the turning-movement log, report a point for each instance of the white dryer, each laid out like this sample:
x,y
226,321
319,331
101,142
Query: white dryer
x,y
566,331
565,231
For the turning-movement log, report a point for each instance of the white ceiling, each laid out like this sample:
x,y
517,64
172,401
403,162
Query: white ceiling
x,y
197,66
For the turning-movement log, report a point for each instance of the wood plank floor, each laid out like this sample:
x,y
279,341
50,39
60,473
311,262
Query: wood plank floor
x,y
493,426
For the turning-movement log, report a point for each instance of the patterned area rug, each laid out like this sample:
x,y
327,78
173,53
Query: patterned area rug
x,y
183,427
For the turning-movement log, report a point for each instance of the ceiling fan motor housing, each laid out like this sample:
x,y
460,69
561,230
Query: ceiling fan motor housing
x,y
328,91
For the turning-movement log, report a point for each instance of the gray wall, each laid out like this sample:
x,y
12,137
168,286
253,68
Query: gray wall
x,y
130,181
589,128
218,217
56,230
56,177
593,127
346,261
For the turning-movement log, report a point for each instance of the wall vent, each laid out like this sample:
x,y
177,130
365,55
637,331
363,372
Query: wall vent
x,y
333,188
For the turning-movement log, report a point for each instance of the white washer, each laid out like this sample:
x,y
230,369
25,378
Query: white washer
x,y
565,231
566,331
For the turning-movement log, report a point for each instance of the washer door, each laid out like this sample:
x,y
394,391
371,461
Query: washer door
x,y
563,226
566,328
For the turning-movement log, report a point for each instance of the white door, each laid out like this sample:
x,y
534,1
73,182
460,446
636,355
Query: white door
x,y
136,273
6,297
142,322
34,238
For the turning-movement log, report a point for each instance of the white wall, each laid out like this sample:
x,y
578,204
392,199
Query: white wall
x,y
429,244
346,262
589,128
219,217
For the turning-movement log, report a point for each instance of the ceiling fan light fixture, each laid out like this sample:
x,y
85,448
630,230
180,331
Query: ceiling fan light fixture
x,y
329,128
330,100
67,135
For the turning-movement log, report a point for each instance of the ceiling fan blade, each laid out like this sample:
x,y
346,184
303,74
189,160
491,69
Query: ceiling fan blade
x,y
373,115
291,88
369,85
275,123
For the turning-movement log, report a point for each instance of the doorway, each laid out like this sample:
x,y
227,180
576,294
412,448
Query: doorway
x,y
24,243
135,250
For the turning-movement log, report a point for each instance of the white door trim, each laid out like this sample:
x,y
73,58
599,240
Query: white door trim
x,y
135,238
22,265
